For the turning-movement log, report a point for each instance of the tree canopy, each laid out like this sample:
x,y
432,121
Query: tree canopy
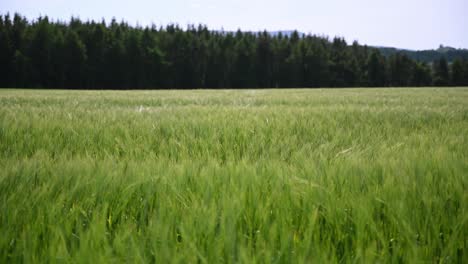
x,y
115,55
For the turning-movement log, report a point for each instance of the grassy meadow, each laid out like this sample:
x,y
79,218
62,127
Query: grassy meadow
x,y
249,176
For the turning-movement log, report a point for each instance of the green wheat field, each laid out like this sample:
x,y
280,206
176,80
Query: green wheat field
x,y
248,176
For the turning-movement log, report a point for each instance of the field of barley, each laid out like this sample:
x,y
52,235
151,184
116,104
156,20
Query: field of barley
x,y
249,176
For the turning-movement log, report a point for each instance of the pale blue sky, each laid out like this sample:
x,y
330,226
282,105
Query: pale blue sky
x,y
413,24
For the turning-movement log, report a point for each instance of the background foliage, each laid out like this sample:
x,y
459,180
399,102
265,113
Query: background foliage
x,y
96,55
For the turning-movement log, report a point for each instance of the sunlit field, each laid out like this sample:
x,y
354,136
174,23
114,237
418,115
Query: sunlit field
x,y
267,176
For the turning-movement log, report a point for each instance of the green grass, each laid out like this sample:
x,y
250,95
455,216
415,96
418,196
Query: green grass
x,y
268,176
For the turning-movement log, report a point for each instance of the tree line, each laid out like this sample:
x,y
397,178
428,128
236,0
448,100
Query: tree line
x,y
99,55
449,53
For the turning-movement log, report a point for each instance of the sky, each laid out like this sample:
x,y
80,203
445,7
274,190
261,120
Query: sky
x,y
410,24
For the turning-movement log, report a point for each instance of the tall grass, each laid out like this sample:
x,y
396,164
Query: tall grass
x,y
349,175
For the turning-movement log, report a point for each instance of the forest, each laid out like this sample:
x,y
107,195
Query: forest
x,y
77,54
449,53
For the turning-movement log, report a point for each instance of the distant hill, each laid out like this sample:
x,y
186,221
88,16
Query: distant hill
x,y
287,33
428,55
284,33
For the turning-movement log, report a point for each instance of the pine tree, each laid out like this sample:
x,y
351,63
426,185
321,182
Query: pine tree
x,y
441,72
376,70
401,69
457,73
7,51
74,60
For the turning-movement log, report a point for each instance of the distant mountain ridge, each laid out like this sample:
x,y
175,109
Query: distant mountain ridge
x,y
287,33
427,56
284,33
